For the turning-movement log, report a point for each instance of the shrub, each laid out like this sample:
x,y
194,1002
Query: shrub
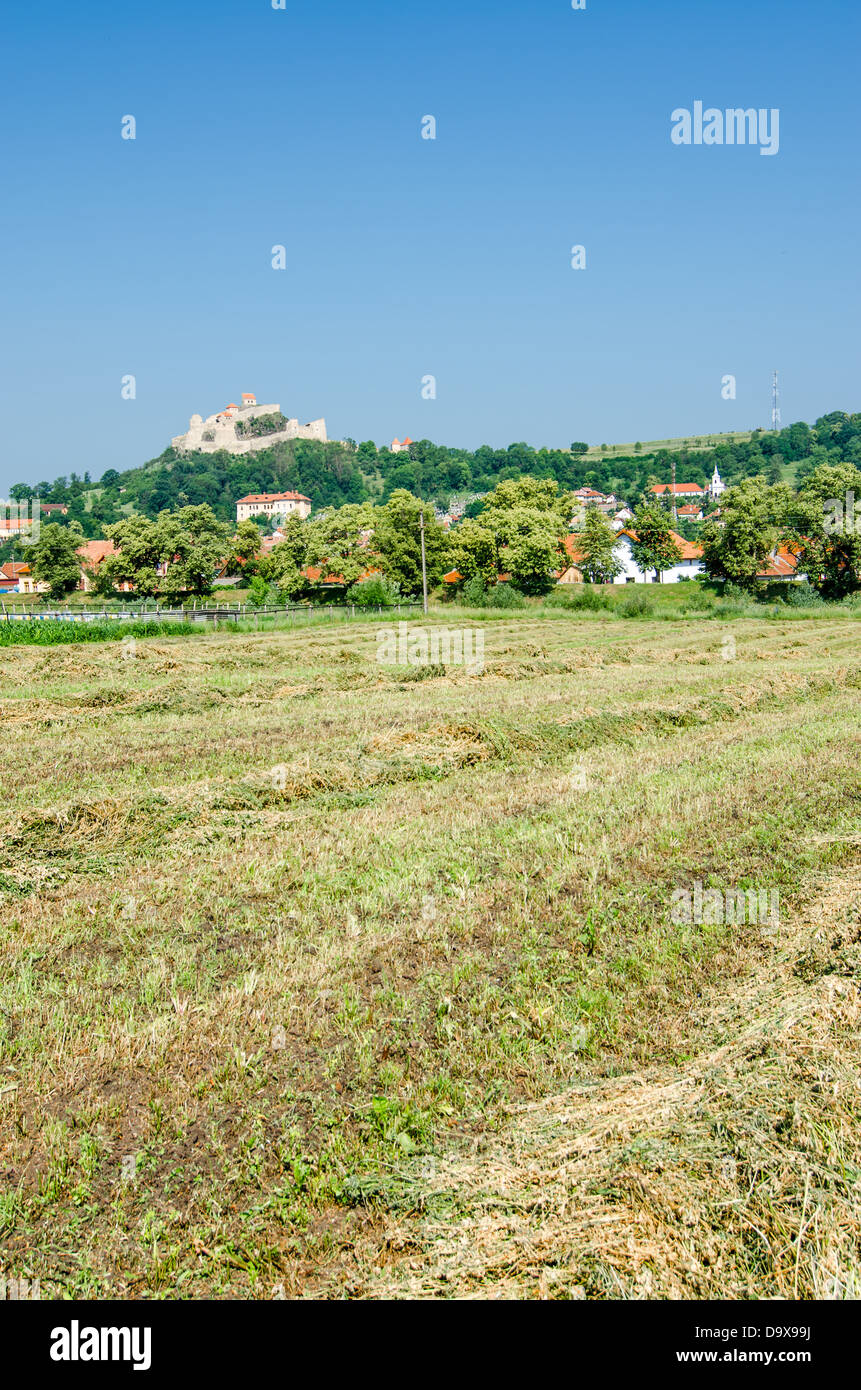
x,y
374,592
474,592
734,593
637,606
260,592
504,596
589,596
803,595
697,603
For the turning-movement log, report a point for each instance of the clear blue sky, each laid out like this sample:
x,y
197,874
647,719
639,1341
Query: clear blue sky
x,y
409,257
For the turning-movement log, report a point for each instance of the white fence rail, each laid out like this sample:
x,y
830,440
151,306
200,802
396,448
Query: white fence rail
x,y
201,614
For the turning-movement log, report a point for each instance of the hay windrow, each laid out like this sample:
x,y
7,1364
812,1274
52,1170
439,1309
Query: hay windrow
x,y
736,1176
374,984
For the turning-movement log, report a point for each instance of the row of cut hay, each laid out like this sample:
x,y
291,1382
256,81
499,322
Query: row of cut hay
x,y
734,1176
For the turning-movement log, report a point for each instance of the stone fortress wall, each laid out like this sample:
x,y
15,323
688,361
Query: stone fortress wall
x,y
219,431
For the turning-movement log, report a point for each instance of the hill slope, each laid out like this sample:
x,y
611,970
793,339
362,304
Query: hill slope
x,y
337,473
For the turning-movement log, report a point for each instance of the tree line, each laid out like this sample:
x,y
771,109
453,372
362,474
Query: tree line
x,y
346,473
372,551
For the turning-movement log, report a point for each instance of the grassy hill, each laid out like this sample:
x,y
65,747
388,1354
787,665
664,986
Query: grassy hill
x,y
692,444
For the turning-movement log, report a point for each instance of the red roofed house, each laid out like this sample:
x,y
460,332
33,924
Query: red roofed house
x,y
271,504
27,584
15,578
14,527
401,446
93,555
571,573
589,497
678,490
782,563
690,564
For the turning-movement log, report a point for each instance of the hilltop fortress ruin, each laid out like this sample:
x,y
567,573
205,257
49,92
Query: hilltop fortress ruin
x,y
242,429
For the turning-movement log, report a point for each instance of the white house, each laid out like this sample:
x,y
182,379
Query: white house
x,y
272,504
676,490
690,564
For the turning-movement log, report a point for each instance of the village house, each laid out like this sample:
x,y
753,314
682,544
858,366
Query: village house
x,y
28,585
690,564
605,502
676,490
15,578
92,556
782,563
273,504
13,527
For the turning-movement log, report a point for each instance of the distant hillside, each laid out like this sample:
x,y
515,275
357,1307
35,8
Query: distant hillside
x,y
332,474
693,444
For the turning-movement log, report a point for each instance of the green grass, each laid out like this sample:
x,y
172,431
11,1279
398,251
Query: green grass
x,y
280,926
692,443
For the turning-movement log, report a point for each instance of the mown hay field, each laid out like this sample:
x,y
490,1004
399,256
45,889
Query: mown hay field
x,y
329,979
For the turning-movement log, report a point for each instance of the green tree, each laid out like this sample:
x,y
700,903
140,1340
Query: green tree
x,y
340,542
136,559
54,558
279,567
195,545
826,523
530,547
596,542
753,519
654,548
246,549
397,542
527,517
537,494
285,563
473,551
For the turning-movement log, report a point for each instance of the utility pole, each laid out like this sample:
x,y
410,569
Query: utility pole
x,y
775,402
419,470
675,513
424,563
